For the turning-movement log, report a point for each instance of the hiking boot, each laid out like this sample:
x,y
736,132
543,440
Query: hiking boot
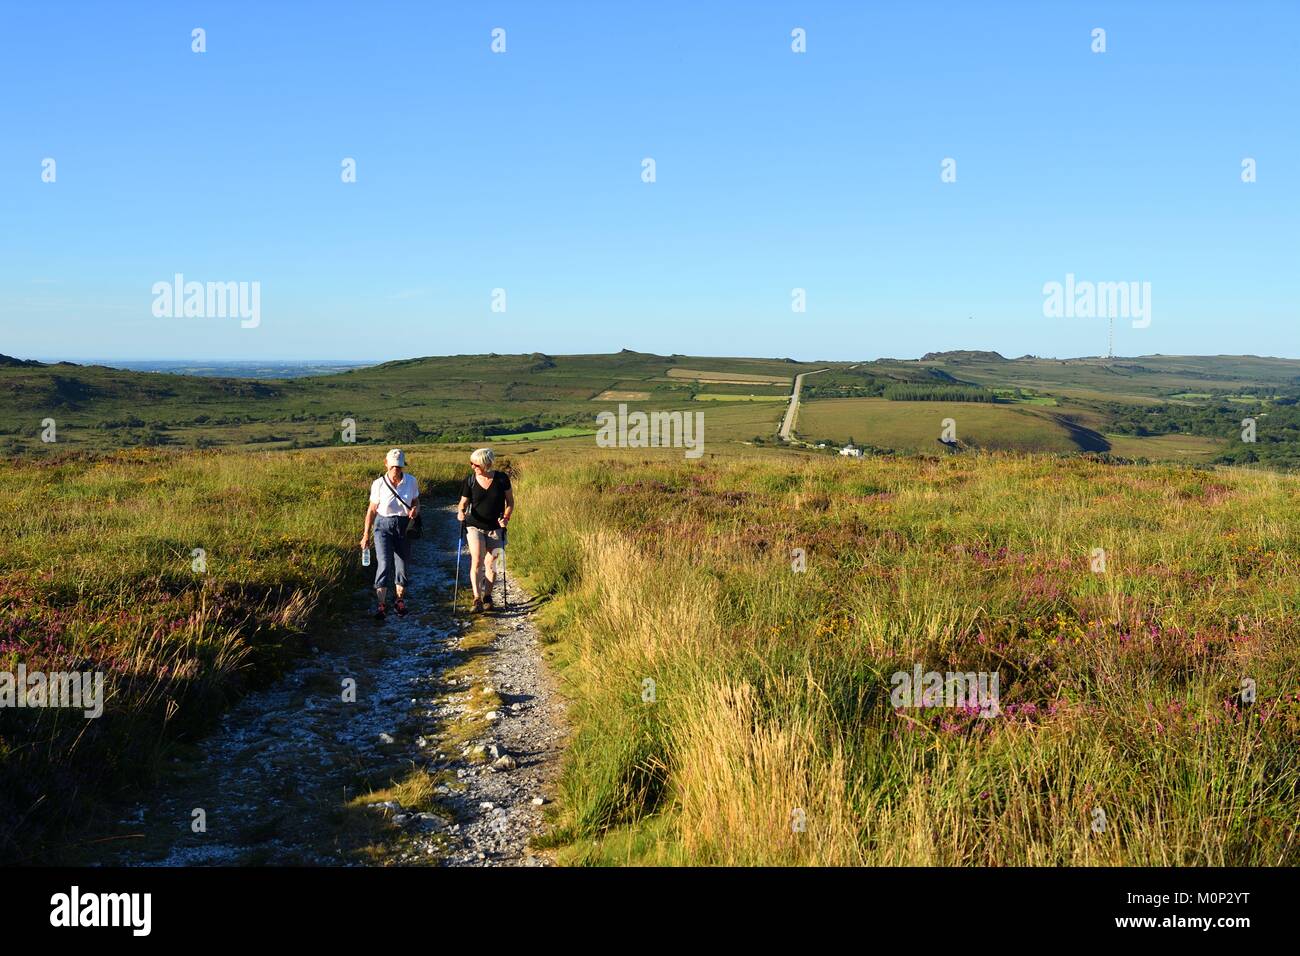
x,y
400,607
381,613
478,606
487,602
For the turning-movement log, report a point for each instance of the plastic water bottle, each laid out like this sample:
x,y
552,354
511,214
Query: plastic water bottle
x,y
365,557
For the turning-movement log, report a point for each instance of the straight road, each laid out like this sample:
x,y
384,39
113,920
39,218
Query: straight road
x,y
792,412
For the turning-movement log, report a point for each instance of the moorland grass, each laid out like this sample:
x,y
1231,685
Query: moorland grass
x,y
726,708
97,573
1125,737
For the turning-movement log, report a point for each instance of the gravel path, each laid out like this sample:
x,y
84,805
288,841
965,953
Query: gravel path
x,y
467,701
509,757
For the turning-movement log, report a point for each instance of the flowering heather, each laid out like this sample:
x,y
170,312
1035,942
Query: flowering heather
x,y
1123,684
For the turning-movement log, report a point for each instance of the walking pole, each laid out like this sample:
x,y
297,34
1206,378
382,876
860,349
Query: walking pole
x,y
460,537
505,591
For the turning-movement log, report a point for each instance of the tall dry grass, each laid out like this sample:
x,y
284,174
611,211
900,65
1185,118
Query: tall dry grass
x,y
1121,691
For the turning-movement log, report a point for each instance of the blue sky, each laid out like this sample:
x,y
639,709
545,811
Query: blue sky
x,y
522,171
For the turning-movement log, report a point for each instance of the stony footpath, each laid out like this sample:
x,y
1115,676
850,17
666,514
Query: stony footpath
x,y
490,729
445,752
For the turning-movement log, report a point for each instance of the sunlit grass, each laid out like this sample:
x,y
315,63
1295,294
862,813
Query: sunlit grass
x,y
184,578
725,708
1122,691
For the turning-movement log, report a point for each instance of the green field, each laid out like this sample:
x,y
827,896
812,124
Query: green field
x,y
1190,448
703,397
566,432
1020,397
916,426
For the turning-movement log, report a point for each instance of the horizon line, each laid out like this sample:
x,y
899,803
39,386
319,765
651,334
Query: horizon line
x,y
103,360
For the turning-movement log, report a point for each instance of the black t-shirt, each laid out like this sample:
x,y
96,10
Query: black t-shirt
x,y
486,504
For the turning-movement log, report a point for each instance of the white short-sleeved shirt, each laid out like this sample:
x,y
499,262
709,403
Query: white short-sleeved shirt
x,y
409,489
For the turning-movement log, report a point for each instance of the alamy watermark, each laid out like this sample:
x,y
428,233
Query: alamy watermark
x,y
971,690
82,691
208,300
1098,300
75,908
651,430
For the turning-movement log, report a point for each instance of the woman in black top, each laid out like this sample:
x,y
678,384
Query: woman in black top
x,y
486,503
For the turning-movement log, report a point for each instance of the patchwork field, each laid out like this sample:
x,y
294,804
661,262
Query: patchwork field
x,y
464,398
459,398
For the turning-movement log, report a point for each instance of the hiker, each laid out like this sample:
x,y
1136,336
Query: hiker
x,y
486,503
394,505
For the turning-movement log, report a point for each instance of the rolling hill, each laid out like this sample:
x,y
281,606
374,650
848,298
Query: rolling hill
x,y
1188,408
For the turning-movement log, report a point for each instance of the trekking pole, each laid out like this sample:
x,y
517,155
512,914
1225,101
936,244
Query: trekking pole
x,y
505,591
455,594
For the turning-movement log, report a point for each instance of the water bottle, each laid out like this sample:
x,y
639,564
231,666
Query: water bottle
x,y
365,557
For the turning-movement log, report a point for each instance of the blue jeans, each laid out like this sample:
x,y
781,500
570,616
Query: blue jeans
x,y
392,547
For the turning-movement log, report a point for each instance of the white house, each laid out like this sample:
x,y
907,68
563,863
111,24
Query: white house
x,y
851,452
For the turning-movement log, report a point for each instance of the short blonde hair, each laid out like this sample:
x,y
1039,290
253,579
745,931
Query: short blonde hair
x,y
482,457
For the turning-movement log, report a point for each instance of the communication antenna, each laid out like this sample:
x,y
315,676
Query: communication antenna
x,y
1110,345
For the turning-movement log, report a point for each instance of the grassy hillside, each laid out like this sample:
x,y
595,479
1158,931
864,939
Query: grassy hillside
x,y
1149,375
448,398
1121,690
1195,405
97,572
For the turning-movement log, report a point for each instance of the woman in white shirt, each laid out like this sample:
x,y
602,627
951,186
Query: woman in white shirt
x,y
394,503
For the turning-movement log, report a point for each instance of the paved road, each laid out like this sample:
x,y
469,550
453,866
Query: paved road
x,y
787,423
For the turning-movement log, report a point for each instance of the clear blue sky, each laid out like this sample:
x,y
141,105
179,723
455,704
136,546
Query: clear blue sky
x,y
522,171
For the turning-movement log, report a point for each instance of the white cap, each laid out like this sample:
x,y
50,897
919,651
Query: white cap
x,y
396,457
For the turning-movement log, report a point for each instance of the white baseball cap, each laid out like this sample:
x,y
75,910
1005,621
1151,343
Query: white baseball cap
x,y
396,457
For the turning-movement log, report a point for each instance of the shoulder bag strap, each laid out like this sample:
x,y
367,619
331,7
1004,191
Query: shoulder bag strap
x,y
396,495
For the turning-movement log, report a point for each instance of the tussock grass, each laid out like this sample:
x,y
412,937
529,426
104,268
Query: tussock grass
x,y
1121,692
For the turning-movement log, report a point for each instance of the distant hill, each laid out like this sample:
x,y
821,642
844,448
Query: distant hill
x,y
1039,404
964,355
1145,374
439,398
7,361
